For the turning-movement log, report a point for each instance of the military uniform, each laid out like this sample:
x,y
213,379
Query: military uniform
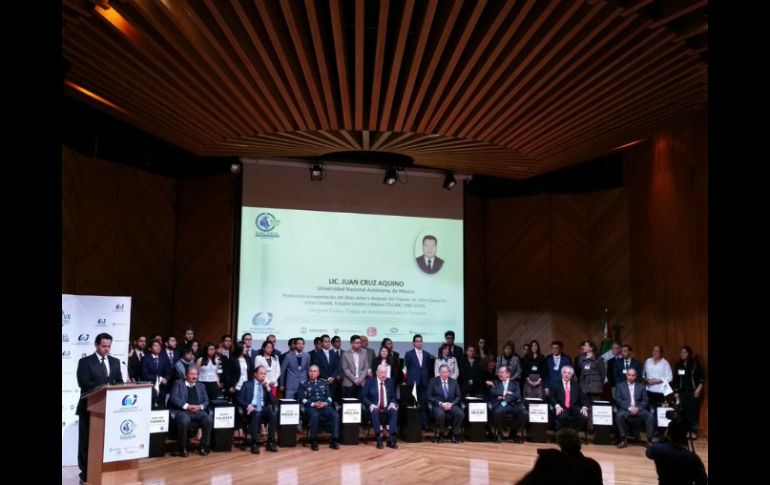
x,y
318,391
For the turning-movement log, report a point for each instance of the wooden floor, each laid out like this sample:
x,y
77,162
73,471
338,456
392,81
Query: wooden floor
x,y
474,463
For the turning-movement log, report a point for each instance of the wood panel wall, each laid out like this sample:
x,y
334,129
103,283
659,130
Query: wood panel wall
x,y
204,256
118,233
667,178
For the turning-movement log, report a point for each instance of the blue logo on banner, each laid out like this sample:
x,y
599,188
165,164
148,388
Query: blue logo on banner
x,y
266,222
127,427
83,337
130,399
393,330
101,321
262,319
119,307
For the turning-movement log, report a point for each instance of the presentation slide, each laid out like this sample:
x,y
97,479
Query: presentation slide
x,y
308,273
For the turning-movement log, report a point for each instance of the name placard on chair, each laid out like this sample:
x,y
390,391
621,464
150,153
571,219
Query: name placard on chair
x,y
289,413
224,417
477,412
351,412
159,421
538,413
601,415
662,419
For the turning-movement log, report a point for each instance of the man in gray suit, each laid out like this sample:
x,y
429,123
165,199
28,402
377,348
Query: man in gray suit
x,y
294,369
188,402
370,353
631,400
354,367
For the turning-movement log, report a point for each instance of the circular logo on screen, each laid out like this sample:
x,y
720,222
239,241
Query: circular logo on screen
x,y
262,319
266,222
127,427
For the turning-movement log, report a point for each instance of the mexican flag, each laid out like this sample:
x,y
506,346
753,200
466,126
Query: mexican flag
x,y
606,341
403,370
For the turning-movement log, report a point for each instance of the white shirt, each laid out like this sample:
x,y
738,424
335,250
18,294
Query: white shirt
x,y
104,362
556,361
273,370
661,370
631,391
355,363
419,356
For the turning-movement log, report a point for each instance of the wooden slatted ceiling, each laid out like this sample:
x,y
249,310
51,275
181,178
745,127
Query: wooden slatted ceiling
x,y
504,88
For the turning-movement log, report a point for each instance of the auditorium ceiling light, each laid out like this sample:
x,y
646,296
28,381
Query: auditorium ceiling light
x,y
317,172
391,176
449,181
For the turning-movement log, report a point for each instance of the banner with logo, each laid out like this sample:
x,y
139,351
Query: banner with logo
x,y
127,424
83,317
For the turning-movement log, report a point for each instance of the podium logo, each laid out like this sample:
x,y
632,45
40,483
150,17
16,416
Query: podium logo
x,y
101,322
129,400
127,428
83,337
262,319
120,307
371,331
65,337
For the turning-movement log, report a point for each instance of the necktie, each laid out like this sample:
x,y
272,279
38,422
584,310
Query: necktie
x,y
171,355
446,392
105,371
626,364
155,361
299,361
430,265
259,397
382,395
566,395
505,389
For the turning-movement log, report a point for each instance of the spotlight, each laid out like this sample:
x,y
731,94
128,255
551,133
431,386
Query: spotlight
x,y
235,168
391,176
317,172
449,181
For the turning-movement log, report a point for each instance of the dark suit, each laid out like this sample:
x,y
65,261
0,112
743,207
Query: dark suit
x,y
266,415
621,393
436,395
327,367
435,268
418,374
150,372
182,418
554,374
570,416
370,395
90,376
619,366
135,366
507,403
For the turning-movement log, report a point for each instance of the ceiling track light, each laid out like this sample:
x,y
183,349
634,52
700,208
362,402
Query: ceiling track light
x,y
317,172
449,181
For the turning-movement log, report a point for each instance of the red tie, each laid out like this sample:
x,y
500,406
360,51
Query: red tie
x,y
566,395
382,395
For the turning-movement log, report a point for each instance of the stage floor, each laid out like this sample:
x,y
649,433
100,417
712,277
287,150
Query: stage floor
x,y
426,462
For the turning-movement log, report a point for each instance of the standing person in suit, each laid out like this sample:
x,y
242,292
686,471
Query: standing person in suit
x,y
355,367
157,370
688,385
627,361
631,400
370,353
506,400
189,401
417,365
93,372
444,395
257,402
454,350
386,342
569,402
135,359
249,352
189,337
429,262
328,364
171,352
379,399
554,364
316,348
271,338
294,369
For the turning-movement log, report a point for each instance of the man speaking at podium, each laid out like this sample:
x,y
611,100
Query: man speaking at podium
x,y
94,371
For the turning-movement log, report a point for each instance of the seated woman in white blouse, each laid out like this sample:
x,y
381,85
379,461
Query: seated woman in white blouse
x,y
445,359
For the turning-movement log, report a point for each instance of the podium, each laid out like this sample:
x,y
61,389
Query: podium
x,y
119,432
537,423
601,418
224,422
351,421
477,416
409,420
288,420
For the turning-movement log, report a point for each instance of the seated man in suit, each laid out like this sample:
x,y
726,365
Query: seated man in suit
x,y
258,404
444,394
631,400
94,371
188,402
379,399
506,400
569,401
316,398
